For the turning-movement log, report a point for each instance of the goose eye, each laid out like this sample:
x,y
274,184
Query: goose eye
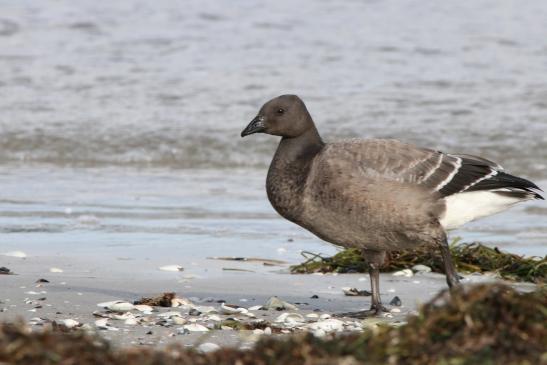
x,y
280,111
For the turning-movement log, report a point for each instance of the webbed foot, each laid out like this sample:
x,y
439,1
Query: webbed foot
x,y
375,310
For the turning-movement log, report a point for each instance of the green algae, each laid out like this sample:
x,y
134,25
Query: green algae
x,y
468,258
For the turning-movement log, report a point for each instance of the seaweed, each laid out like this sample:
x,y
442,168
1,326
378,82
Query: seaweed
x,y
468,258
164,300
478,324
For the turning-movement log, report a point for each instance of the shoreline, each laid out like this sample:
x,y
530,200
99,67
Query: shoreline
x,y
75,293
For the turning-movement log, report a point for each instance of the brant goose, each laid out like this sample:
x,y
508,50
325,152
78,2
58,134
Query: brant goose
x,y
378,194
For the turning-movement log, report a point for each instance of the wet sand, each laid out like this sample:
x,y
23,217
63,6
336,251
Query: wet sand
x,y
75,293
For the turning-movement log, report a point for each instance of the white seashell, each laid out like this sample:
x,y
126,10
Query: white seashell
x,y
214,317
87,327
406,273
208,347
395,310
170,314
178,320
362,279
319,333
171,268
124,316
69,323
180,302
194,327
421,268
267,331
255,308
102,323
121,306
55,269
312,315
225,309
143,308
130,321
19,254
328,325
290,318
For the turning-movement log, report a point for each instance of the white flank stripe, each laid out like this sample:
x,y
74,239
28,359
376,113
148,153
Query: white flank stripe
x,y
451,176
465,207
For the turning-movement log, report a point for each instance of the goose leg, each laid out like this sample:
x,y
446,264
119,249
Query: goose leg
x,y
374,259
452,278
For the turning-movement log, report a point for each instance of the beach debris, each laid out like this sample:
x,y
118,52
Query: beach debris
x,y
103,324
274,303
117,306
326,326
39,281
236,269
290,319
353,292
69,323
208,347
405,272
269,262
194,327
5,271
171,268
55,270
232,309
164,300
467,257
18,254
143,308
256,308
421,268
396,301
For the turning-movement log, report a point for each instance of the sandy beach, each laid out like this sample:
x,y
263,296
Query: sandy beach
x,y
75,293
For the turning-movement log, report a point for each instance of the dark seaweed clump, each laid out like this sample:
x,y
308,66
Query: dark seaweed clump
x,y
481,324
468,257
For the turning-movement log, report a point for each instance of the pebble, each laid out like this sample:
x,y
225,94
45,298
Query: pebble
x,y
405,272
396,301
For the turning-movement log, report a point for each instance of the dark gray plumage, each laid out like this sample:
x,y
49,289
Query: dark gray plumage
x,y
377,195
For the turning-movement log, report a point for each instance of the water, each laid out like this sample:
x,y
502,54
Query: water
x,y
120,121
